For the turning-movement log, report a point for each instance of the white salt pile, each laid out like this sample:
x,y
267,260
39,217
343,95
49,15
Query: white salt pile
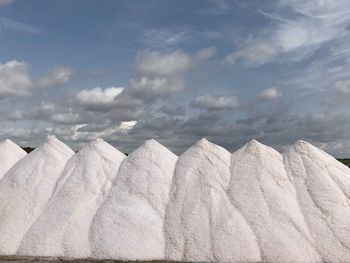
x,y
62,230
129,224
201,223
25,190
208,205
262,191
10,154
323,191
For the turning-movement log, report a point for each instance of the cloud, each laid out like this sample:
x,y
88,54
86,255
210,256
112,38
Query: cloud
x,y
215,103
254,52
155,63
8,24
342,87
172,108
301,28
270,94
15,79
205,53
5,2
56,76
164,37
97,98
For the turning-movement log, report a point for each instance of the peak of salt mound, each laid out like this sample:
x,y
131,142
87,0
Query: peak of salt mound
x,y
10,154
323,191
129,224
25,190
262,191
62,230
201,223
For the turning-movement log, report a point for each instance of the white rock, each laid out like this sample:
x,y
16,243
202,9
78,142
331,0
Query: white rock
x,y
262,191
322,185
10,153
62,230
201,223
26,189
129,224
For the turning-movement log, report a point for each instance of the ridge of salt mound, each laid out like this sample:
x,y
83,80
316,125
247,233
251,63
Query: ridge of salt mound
x,y
262,191
129,224
25,190
10,153
201,223
322,185
62,230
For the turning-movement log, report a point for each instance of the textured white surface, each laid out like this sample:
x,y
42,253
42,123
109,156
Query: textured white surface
x,y
25,190
262,191
201,223
322,185
63,228
129,224
10,154
208,205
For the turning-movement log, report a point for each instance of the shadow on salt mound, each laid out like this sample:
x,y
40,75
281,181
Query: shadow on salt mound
x,y
25,190
10,154
62,230
262,191
129,224
322,185
201,223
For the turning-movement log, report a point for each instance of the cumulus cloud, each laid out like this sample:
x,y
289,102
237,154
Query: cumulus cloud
x,y
205,53
215,103
156,63
270,94
342,86
57,76
15,79
97,98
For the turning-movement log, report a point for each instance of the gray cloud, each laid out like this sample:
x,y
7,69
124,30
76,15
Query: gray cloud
x,y
215,103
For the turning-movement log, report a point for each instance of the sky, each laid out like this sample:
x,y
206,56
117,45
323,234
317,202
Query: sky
x,y
176,71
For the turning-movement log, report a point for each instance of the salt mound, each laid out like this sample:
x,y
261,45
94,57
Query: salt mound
x,y
323,188
10,154
25,190
129,224
201,223
262,191
62,230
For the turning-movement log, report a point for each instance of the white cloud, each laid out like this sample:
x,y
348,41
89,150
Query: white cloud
x,y
205,53
98,98
151,88
160,38
127,125
155,63
55,77
255,52
270,94
215,103
313,24
342,86
6,2
9,24
15,79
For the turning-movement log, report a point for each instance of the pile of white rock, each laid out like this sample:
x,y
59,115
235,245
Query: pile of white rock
x,y
207,205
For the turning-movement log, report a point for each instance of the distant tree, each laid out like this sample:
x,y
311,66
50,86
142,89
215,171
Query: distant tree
x,y
28,149
345,161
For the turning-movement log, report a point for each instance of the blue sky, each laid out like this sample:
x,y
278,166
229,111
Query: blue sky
x,y
176,71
